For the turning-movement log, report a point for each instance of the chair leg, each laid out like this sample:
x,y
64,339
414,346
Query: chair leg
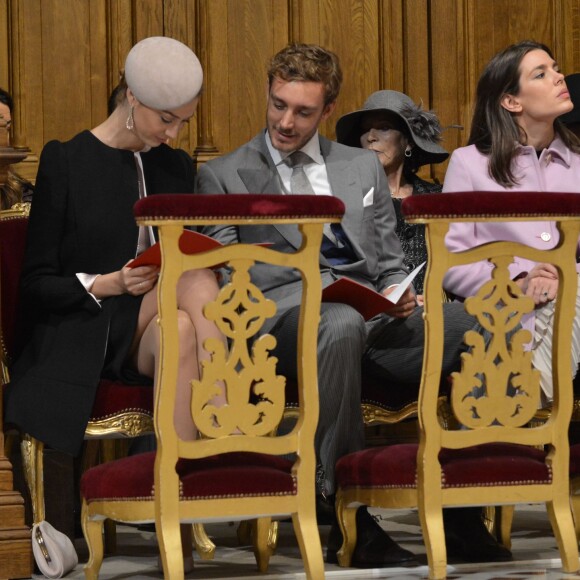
x,y
434,537
347,521
93,532
306,530
563,526
575,501
244,532
260,541
203,545
505,518
33,466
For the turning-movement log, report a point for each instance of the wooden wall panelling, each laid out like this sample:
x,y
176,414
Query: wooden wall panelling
x,y
350,29
180,22
567,34
26,81
244,34
98,61
119,38
391,61
449,66
148,18
4,47
304,21
65,67
205,145
416,50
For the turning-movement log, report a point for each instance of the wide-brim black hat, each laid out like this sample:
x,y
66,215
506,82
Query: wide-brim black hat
x,y
349,130
573,84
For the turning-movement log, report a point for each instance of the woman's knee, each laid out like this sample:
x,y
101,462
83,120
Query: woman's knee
x,y
200,283
186,333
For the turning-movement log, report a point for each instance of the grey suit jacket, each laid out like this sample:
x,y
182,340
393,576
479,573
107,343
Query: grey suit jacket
x,y
369,225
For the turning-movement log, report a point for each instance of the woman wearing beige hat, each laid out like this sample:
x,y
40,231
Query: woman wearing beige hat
x,y
95,315
405,137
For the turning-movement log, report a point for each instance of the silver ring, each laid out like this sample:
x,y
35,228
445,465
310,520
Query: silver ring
x,y
140,284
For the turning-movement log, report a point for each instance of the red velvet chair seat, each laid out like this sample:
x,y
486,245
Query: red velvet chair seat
x,y
227,475
114,397
395,466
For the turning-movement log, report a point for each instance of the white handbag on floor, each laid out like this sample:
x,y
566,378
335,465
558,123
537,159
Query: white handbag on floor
x,y
53,551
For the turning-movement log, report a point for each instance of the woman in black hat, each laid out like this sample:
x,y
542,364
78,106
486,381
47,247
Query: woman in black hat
x,y
405,137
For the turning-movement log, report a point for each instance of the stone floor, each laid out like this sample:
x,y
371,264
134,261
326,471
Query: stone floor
x,y
534,550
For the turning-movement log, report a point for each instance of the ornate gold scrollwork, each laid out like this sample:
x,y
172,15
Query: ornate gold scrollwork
x,y
497,383
256,404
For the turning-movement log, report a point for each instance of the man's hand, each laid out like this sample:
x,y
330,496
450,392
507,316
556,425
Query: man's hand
x,y
406,304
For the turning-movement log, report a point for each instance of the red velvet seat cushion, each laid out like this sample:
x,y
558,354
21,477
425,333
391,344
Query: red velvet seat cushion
x,y
240,474
492,203
395,466
256,205
114,397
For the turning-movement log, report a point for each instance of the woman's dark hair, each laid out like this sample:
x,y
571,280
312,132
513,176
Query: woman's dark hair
x,y
493,129
6,99
117,95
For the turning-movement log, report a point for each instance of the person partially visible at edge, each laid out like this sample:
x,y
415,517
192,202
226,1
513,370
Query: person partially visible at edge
x,y
16,189
303,85
405,137
572,118
518,143
96,316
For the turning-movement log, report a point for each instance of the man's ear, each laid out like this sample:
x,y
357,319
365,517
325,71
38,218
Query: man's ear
x,y
328,110
511,103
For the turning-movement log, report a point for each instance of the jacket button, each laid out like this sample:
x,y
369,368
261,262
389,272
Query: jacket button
x,y
546,237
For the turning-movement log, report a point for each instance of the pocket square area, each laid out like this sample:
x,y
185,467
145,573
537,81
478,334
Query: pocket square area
x,y
368,198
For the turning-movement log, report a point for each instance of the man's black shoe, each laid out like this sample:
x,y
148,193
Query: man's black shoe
x,y
467,538
374,547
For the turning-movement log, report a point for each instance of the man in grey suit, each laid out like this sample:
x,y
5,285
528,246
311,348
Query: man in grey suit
x,y
304,82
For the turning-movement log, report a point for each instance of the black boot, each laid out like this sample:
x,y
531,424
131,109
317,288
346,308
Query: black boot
x,y
467,538
374,547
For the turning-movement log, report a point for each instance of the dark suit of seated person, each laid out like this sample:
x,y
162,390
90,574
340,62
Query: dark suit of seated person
x,y
304,82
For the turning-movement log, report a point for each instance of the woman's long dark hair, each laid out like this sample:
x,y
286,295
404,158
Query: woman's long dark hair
x,y
493,129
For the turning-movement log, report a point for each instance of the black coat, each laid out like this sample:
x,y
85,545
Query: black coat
x,y
81,221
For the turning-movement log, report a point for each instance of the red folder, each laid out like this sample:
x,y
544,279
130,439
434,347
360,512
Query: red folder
x,y
365,300
189,243
362,298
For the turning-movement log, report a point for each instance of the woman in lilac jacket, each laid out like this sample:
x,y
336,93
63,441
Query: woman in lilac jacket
x,y
517,143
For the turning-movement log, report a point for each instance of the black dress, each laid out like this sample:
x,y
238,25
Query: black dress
x,y
412,236
81,221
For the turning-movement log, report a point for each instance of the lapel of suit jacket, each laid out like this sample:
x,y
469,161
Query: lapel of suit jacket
x,y
264,178
344,184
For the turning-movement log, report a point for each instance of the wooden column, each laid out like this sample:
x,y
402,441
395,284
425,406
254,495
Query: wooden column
x,y
205,149
15,541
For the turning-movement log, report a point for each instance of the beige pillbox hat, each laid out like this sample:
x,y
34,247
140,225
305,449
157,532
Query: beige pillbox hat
x,y
163,73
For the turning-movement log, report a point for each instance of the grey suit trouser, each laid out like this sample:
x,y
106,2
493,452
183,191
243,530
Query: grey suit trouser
x,y
389,348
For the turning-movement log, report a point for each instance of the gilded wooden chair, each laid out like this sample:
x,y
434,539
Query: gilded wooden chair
x,y
236,470
119,411
496,458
